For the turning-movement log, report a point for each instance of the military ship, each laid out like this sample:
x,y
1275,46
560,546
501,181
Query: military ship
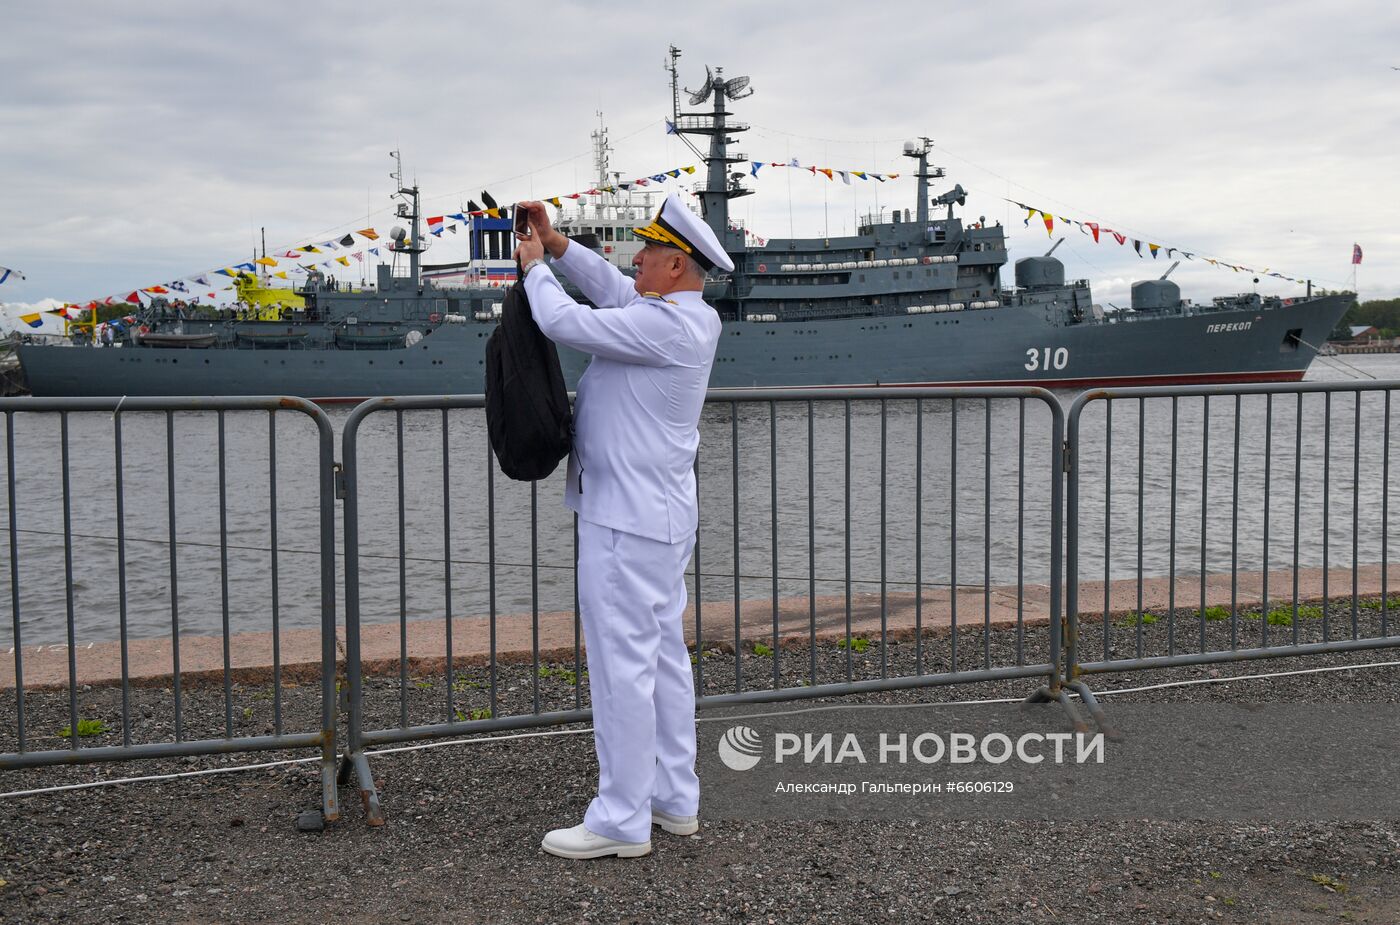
x,y
913,300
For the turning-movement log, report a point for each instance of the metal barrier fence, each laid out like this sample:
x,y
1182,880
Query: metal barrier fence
x,y
851,541
866,470
122,537
1236,505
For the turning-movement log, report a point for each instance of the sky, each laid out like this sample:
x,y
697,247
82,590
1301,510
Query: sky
x,y
147,141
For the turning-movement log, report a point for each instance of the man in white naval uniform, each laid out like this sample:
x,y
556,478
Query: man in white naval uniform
x,y
631,480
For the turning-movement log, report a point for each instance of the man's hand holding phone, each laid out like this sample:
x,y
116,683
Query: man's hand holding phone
x,y
540,228
528,246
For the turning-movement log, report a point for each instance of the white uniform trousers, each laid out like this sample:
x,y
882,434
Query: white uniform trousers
x,y
631,598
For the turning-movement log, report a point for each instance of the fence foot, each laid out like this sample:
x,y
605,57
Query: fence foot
x,y
1041,694
342,776
1091,703
358,763
1062,697
1044,694
330,796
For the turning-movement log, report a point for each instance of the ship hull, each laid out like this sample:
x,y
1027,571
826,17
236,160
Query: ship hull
x,y
1009,345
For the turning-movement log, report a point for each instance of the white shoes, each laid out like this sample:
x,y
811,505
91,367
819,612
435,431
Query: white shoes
x,y
675,825
579,843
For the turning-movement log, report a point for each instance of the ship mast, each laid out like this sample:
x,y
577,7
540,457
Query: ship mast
x,y
601,150
408,208
720,185
919,150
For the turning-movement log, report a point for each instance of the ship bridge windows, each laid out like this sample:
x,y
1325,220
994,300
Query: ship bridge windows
x,y
608,233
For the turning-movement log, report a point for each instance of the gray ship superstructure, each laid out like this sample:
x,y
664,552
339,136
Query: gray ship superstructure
x,y
916,300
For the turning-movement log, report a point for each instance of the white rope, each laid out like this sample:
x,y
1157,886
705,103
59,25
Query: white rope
x,y
150,777
1247,677
480,740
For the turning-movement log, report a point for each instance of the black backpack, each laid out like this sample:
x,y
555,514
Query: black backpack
x,y
528,417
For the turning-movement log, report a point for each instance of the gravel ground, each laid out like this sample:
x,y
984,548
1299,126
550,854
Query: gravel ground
x,y
462,840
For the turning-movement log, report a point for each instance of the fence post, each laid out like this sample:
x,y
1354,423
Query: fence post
x,y
355,760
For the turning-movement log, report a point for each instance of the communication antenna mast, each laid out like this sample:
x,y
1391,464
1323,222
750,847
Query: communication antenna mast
x,y
410,242
670,65
397,175
676,101
721,185
601,150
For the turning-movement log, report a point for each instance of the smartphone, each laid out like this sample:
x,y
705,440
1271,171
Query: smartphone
x,y
522,222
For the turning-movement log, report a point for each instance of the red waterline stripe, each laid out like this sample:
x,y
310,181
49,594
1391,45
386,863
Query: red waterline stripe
x,y
1278,375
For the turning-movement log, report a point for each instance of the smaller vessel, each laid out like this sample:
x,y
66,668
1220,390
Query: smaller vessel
x,y
171,339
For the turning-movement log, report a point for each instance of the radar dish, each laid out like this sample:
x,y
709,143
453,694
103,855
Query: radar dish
x,y
699,96
734,88
398,233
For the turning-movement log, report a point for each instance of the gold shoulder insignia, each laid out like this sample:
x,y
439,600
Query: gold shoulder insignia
x,y
657,295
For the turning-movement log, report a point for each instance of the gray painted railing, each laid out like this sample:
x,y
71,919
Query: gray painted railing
x,y
322,738
901,492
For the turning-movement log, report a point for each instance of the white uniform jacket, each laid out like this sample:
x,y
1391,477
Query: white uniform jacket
x,y
638,408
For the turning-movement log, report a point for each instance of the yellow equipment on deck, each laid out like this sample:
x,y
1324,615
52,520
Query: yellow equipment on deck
x,y
267,302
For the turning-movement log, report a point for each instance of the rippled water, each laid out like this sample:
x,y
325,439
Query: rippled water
x,y
1001,495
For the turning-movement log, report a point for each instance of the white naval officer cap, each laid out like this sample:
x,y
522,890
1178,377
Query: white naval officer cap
x,y
676,226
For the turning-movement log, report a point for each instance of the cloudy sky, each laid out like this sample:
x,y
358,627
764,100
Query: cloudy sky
x,y
144,141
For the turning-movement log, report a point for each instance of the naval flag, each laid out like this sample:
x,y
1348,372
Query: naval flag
x,y
1355,257
6,273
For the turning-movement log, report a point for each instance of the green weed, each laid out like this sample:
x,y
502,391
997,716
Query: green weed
x,y
86,727
1283,616
854,643
567,675
1331,884
761,649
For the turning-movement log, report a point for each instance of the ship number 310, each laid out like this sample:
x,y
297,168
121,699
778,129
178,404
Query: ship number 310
x,y
1044,358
